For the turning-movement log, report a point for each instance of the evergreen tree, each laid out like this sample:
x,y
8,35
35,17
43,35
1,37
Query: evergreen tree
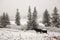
x,y
34,19
55,18
17,20
7,19
46,18
3,20
29,23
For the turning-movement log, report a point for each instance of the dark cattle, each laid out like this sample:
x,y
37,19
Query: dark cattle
x,y
40,30
44,31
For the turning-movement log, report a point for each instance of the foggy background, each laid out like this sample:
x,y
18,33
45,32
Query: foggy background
x,y
10,7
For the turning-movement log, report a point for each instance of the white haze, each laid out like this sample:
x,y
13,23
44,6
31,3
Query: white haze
x,y
10,7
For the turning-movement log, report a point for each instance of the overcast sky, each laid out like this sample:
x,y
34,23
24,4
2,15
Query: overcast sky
x,y
10,6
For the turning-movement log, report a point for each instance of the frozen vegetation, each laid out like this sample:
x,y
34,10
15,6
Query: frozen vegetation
x,y
14,34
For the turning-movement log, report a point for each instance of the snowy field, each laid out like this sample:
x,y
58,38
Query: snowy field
x,y
14,34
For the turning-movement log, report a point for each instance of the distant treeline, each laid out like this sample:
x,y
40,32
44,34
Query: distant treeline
x,y
47,20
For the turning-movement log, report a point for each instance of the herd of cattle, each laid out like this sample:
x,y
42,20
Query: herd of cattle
x,y
41,30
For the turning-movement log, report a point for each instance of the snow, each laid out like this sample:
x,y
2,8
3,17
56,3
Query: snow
x,y
23,21
13,26
41,24
14,34
12,22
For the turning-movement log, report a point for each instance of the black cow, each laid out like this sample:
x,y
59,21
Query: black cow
x,y
44,31
40,30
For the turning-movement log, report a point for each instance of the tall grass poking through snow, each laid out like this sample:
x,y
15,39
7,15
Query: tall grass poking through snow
x,y
12,34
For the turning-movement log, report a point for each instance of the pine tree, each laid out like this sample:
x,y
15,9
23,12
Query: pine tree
x,y
7,19
34,19
3,20
17,20
55,18
29,23
46,18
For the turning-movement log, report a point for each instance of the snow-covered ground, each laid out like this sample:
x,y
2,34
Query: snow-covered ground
x,y
24,26
14,34
23,21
